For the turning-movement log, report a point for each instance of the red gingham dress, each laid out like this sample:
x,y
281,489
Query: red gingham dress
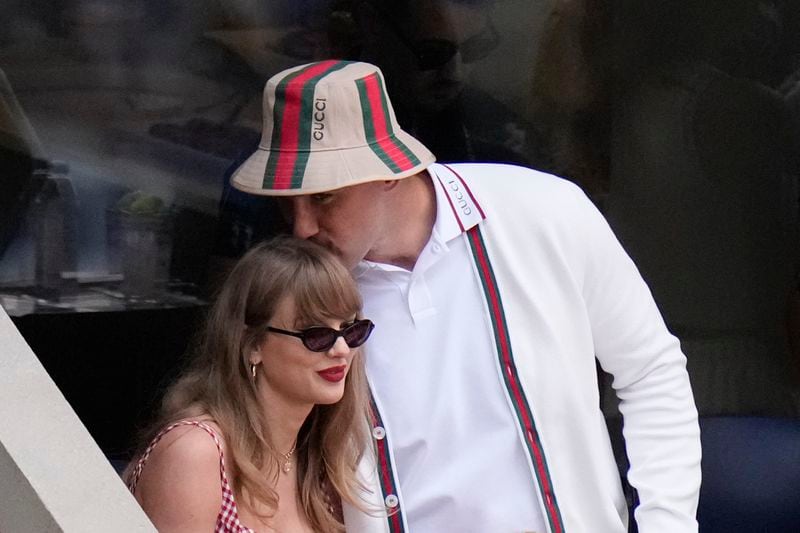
x,y
228,518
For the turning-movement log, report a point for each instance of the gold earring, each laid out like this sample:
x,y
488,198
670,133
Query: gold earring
x,y
253,371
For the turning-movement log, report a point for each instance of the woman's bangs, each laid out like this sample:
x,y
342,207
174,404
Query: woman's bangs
x,y
324,294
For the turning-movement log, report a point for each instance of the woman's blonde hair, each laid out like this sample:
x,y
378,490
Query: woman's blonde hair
x,y
218,385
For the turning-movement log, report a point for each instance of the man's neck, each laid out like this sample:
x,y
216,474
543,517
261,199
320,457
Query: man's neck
x,y
410,224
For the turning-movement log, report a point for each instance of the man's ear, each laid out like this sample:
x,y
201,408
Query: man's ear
x,y
388,185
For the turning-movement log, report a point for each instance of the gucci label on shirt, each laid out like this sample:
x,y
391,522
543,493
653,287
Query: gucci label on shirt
x,y
464,207
458,196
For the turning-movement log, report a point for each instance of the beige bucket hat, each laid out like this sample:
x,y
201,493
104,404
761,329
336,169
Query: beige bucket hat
x,y
328,125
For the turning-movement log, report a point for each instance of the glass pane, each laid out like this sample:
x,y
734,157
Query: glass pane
x,y
121,121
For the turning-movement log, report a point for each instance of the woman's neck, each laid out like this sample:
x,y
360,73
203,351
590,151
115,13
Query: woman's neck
x,y
284,421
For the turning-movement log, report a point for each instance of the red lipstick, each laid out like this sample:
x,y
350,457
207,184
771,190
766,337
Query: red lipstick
x,y
333,374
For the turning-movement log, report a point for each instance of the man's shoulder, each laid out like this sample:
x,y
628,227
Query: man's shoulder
x,y
504,172
520,199
512,182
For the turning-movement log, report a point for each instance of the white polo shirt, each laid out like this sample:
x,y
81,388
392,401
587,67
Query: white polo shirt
x,y
433,367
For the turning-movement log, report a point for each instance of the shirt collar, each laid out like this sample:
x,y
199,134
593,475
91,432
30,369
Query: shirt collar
x,y
457,211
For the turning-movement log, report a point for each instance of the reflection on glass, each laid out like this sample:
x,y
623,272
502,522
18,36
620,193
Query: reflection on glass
x,y
429,53
680,120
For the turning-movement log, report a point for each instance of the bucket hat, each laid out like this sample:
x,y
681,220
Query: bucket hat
x,y
328,125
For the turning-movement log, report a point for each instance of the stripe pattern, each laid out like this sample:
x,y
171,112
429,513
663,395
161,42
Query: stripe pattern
x,y
293,116
378,126
511,378
385,471
469,211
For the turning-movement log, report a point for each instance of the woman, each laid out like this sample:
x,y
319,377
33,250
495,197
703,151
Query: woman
x,y
265,430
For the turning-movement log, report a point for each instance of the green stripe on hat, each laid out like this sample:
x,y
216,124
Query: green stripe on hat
x,y
378,126
397,142
369,128
291,132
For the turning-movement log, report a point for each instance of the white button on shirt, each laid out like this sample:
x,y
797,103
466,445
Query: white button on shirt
x,y
378,432
391,501
433,367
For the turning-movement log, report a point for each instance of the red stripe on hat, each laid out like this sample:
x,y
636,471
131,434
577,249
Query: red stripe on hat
x,y
290,124
383,135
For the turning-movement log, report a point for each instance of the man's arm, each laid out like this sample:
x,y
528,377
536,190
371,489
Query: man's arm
x,y
632,343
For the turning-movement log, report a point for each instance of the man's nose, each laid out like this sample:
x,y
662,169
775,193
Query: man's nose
x,y
454,70
304,220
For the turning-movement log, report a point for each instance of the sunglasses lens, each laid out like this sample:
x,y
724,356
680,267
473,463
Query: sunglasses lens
x,y
358,333
319,339
477,48
434,53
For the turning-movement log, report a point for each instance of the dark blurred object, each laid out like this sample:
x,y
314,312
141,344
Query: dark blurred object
x,y
245,219
20,158
112,366
141,244
16,182
751,39
53,219
703,186
220,139
304,44
569,95
427,51
192,246
751,475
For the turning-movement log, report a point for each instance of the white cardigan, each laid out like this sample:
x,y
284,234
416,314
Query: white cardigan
x,y
569,293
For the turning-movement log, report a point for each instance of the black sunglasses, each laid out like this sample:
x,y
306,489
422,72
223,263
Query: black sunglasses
x,y
322,339
433,54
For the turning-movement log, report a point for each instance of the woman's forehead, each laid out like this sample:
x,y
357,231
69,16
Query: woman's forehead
x,y
313,305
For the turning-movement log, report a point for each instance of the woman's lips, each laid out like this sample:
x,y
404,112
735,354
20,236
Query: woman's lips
x,y
334,373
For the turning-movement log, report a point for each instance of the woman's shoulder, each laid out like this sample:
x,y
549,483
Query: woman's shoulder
x,y
189,441
180,483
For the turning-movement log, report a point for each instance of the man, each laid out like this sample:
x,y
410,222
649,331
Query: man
x,y
493,288
427,50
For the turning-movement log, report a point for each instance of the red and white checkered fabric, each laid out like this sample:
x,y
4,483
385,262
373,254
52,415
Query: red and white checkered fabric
x,y
228,518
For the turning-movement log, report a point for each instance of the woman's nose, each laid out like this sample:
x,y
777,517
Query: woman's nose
x,y
339,348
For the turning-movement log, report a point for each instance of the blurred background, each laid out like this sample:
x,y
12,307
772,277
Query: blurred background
x,y
121,120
